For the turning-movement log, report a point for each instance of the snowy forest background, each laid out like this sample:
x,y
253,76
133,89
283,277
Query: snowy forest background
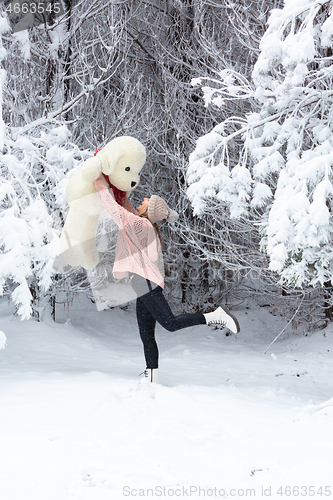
x,y
233,103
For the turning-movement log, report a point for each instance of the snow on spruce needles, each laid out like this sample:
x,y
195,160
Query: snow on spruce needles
x,y
285,145
77,423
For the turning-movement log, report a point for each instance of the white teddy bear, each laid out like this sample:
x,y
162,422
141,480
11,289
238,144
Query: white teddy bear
x,y
121,160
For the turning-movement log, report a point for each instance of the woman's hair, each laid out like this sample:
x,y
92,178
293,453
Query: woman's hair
x,y
144,214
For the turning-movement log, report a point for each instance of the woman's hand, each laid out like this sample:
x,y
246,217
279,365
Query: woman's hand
x,y
144,204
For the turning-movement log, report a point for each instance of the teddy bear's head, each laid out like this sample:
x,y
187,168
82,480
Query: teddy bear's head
x,y
126,176
121,160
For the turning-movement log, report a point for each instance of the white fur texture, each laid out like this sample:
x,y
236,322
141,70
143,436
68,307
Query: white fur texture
x,y
79,232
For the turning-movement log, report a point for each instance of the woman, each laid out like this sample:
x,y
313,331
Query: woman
x,y
139,256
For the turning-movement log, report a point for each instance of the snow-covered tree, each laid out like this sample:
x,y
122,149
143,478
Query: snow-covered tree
x,y
32,165
36,152
34,159
111,68
274,164
4,26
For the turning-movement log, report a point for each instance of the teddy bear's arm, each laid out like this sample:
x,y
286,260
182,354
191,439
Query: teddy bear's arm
x,y
91,169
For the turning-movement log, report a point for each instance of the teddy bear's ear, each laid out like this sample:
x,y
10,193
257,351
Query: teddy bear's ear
x,y
91,169
111,165
109,157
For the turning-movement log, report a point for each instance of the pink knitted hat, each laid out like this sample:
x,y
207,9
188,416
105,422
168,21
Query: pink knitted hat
x,y
158,210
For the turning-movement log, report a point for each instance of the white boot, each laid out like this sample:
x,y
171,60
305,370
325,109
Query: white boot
x,y
222,316
152,374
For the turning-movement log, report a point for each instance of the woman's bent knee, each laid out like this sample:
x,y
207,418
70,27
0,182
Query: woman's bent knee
x,y
170,326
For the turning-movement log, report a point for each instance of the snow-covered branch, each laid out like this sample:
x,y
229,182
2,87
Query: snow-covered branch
x,y
279,158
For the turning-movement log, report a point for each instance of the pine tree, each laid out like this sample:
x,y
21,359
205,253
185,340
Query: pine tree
x,y
282,173
34,159
33,167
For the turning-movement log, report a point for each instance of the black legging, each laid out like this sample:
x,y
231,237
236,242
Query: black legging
x,y
152,307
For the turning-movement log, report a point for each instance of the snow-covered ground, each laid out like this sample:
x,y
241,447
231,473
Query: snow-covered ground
x,y
77,422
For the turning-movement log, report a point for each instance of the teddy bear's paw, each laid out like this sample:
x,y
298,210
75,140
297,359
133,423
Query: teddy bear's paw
x,y
72,259
90,261
73,255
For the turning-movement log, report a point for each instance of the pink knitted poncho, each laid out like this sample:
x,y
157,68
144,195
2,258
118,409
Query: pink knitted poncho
x,y
138,246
